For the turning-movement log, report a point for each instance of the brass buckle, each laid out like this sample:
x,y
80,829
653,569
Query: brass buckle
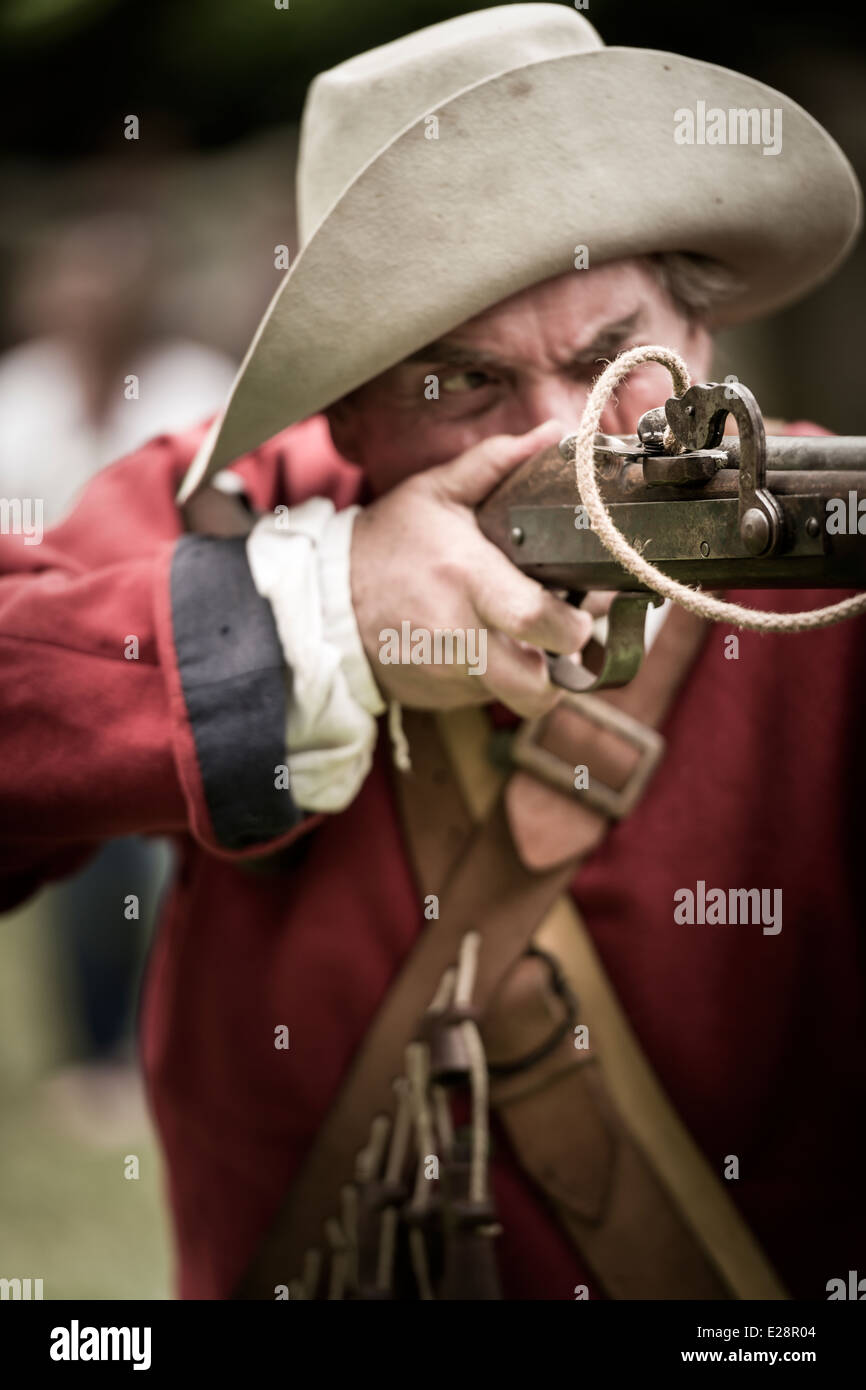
x,y
526,753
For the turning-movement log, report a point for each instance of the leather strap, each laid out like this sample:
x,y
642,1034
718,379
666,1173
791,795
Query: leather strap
x,y
637,1198
720,1248
570,1138
489,890
549,827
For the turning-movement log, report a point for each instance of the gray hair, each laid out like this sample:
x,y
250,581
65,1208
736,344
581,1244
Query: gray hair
x,y
697,284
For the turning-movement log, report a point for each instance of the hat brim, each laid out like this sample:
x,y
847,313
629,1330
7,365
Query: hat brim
x,y
529,164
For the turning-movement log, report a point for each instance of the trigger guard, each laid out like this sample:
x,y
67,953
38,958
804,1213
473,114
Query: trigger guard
x,y
621,656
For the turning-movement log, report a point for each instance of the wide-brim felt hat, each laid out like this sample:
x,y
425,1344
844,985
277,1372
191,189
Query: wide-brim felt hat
x,y
444,172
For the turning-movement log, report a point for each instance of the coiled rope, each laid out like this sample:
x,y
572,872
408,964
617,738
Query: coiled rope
x,y
695,600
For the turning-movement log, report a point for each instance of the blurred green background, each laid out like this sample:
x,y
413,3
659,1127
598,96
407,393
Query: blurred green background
x,y
68,1213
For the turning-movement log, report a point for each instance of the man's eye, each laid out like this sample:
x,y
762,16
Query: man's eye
x,y
457,382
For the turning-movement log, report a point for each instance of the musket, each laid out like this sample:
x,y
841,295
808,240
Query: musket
x,y
745,511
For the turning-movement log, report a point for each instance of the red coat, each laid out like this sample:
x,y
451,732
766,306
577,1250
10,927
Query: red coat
x,y
759,1040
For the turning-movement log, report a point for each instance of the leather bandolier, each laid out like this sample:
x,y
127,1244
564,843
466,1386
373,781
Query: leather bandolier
x,y
504,999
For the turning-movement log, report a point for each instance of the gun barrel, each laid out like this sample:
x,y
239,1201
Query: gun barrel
x,y
813,453
691,532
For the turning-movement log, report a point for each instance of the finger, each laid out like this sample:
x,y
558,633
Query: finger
x,y
518,677
598,601
470,477
513,603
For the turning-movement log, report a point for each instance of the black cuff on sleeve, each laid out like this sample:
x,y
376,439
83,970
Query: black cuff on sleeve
x,y
235,684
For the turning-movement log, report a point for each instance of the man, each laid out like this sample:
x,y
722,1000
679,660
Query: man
x,y
440,315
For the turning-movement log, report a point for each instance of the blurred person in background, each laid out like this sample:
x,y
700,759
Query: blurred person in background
x,y
91,379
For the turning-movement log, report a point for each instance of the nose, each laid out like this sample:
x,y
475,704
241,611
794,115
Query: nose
x,y
645,388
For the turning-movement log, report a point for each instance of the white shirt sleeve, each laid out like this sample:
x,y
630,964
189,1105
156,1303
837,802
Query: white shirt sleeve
x,y
299,558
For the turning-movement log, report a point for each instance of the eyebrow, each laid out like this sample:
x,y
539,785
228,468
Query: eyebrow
x,y
452,353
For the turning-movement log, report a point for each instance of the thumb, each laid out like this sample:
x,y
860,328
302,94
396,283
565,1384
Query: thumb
x,y
470,477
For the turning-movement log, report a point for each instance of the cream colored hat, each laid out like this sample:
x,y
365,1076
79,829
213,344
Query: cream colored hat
x,y
543,140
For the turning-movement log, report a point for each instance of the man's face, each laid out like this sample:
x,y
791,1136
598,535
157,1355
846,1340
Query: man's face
x,y
528,359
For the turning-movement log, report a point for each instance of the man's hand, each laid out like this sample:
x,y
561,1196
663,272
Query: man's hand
x,y
419,556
